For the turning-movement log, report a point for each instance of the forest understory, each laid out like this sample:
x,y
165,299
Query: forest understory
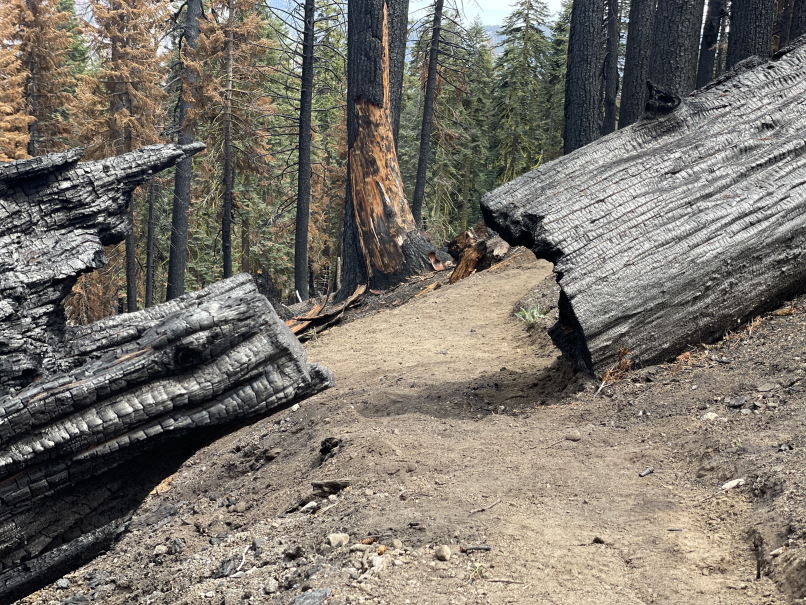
x,y
454,423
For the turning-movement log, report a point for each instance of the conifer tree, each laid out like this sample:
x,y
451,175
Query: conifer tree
x,y
44,46
14,118
553,97
522,69
119,105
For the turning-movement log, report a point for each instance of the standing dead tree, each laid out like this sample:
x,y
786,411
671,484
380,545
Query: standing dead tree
x,y
677,229
78,403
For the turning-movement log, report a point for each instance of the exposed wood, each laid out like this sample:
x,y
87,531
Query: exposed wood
x,y
81,404
476,249
323,314
675,230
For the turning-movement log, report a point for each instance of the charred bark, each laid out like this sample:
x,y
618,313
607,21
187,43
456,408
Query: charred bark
x,y
751,26
673,63
636,63
611,73
177,258
424,154
79,403
677,229
583,81
381,243
301,273
710,38
398,39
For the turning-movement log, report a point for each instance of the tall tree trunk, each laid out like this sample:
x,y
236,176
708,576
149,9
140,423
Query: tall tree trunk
x,y
398,40
710,39
177,259
722,46
585,43
611,75
229,160
798,27
32,93
304,147
751,25
246,243
428,116
150,243
636,63
673,62
381,245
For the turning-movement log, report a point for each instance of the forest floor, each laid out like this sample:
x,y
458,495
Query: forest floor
x,y
457,426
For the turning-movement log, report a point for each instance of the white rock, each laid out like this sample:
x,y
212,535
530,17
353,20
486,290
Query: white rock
x,y
295,407
710,416
732,484
337,540
271,586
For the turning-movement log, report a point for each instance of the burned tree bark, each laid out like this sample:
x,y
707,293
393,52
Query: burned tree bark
x,y
636,62
79,402
676,40
381,243
674,230
751,26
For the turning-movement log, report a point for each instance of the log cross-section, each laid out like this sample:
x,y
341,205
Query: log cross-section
x,y
677,229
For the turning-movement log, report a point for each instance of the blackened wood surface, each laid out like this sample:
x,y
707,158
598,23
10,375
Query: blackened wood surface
x,y
672,231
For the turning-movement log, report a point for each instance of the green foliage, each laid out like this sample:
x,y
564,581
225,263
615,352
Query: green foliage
x,y
531,315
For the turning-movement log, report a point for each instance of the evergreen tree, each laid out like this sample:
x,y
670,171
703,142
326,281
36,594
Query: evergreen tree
x,y
553,98
14,118
44,45
522,70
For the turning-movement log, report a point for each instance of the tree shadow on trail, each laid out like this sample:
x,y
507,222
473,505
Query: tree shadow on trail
x,y
504,391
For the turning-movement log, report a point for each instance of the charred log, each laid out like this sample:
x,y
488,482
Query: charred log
x,y
677,229
90,401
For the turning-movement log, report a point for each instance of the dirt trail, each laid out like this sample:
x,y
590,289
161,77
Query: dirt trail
x,y
455,428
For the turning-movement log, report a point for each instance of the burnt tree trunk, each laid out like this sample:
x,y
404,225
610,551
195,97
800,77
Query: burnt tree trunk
x,y
150,243
582,82
675,230
301,273
228,167
398,40
177,257
673,62
611,73
751,25
636,62
81,404
381,243
428,115
710,38
798,27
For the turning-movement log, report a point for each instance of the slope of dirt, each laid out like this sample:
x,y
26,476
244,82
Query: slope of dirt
x,y
457,427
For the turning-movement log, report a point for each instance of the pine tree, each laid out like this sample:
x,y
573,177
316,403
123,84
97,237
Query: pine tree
x,y
14,118
554,85
119,105
521,73
44,45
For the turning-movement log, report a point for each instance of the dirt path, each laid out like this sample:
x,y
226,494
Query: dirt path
x,y
452,380
454,429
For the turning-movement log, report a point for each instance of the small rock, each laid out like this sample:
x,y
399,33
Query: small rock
x,y
573,435
777,552
732,484
310,507
62,583
312,597
368,492
647,471
271,586
259,544
396,544
746,412
442,552
377,562
736,402
710,416
767,387
772,405
160,549
240,506
295,407
784,447
337,540
598,540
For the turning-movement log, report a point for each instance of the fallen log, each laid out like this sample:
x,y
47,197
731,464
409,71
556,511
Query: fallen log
x,y
475,250
677,229
85,406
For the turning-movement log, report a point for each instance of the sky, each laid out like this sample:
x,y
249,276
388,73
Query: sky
x,y
491,12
